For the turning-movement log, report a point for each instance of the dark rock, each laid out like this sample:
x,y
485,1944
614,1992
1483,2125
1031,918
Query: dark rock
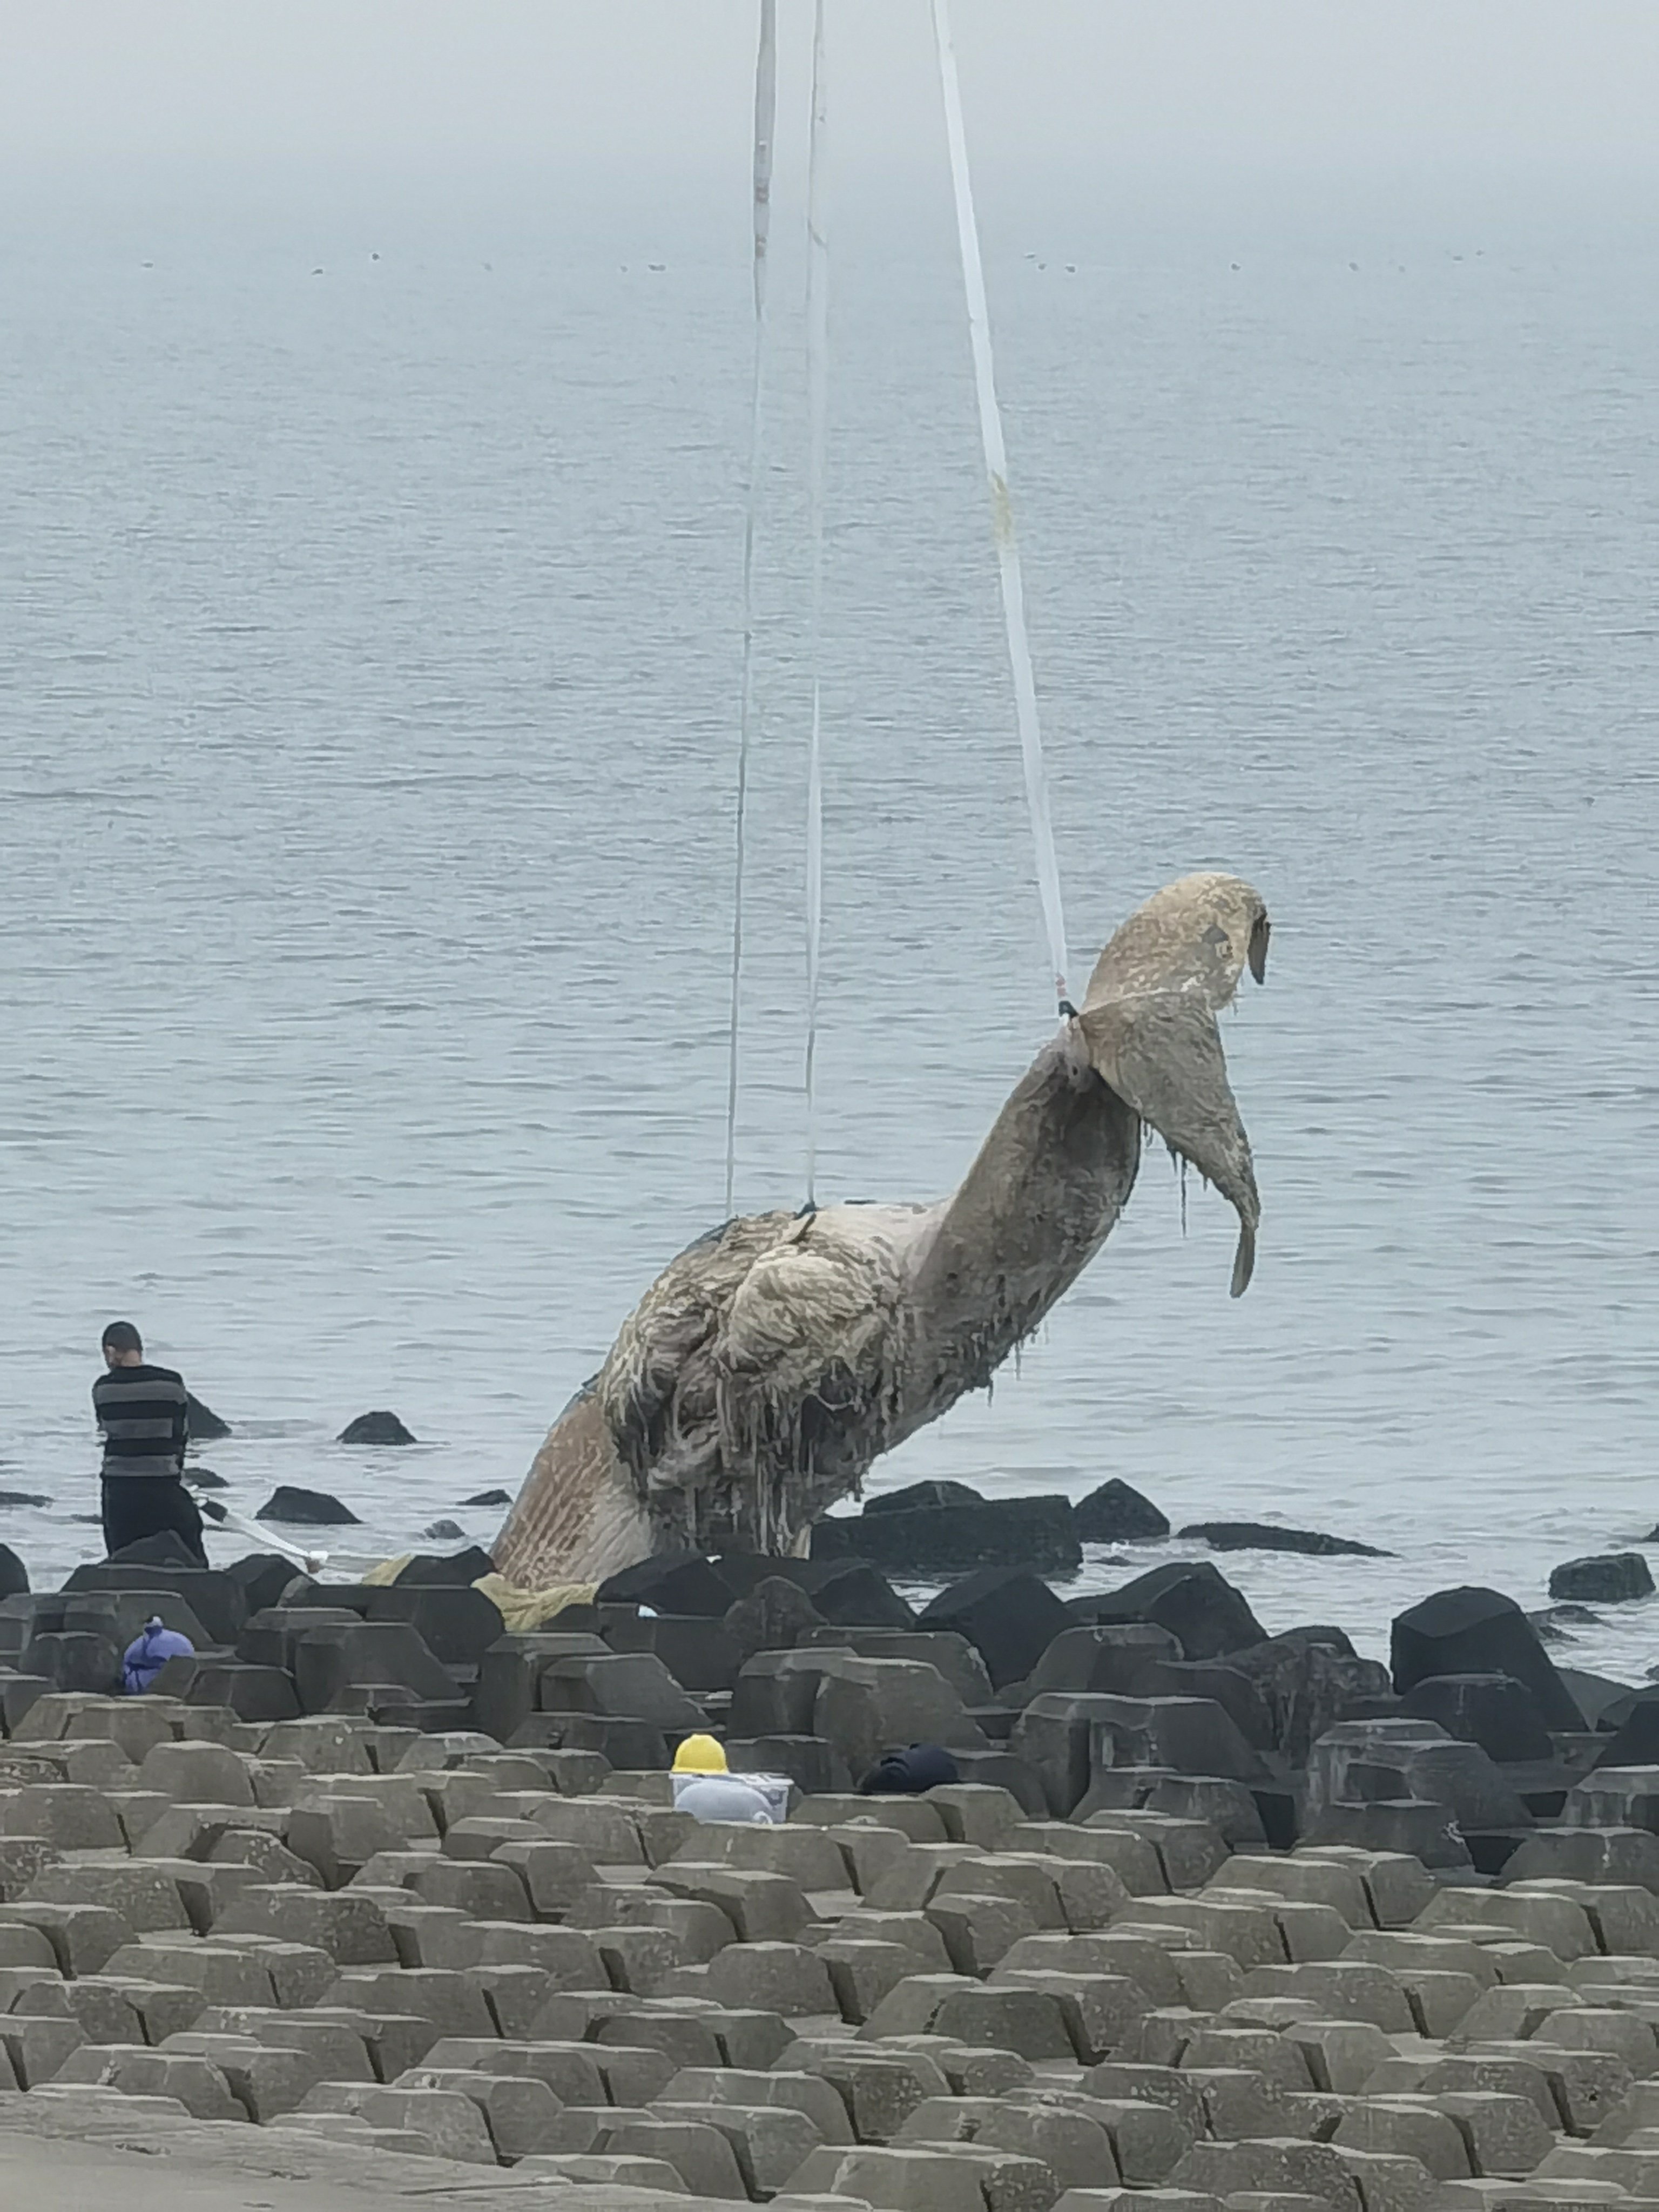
x,y
1556,1623
1005,1614
773,1617
489,1497
1309,1679
776,1692
953,1656
632,1685
1187,1735
1052,1736
851,1593
1217,1682
1115,1659
697,1651
310,1509
1367,1761
1263,1536
273,1634
218,1602
505,1698
1609,1580
1473,1630
674,1581
167,1548
252,1693
1194,1600
813,1765
380,1428
1115,1514
447,1570
918,1496
204,1477
329,1662
946,1540
263,1575
1596,1698
122,1615
444,1532
23,1497
868,1707
75,1659
1634,1741
1490,1709
13,1575
204,1423
457,1625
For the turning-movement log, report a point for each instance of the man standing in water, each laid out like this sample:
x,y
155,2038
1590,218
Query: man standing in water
x,y
143,1417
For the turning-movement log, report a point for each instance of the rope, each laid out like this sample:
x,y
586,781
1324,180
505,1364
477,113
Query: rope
x,y
1002,514
766,108
818,409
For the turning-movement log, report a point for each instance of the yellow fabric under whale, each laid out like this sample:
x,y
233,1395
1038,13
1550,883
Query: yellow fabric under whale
x,y
522,1611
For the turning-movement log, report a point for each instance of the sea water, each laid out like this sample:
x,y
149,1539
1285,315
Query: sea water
x,y
367,727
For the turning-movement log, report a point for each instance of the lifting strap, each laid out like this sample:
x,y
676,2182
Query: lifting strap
x,y
1002,513
818,410
766,108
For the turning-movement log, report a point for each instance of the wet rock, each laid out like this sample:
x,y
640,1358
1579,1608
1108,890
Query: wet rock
x,y
773,1617
13,1575
377,1428
1611,1579
204,1477
920,1497
313,1508
1556,1623
444,1532
1602,1703
850,1593
945,1539
489,1497
1007,1614
453,1570
204,1423
1634,1741
673,1582
1473,1630
1489,1710
263,1575
1115,1514
167,1548
218,1602
1263,1536
1197,1604
1309,1679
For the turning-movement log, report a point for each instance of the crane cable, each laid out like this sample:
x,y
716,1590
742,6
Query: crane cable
x,y
1002,513
766,108
817,411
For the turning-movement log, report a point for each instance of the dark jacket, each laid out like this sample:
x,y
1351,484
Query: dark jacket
x,y
143,1416
907,1773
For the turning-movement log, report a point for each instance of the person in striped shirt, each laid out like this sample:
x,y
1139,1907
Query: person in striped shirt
x,y
143,1417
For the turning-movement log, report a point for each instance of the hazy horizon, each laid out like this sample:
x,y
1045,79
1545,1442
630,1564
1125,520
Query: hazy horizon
x,y
664,87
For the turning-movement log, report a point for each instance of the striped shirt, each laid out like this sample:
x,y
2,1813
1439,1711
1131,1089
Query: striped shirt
x,y
143,1417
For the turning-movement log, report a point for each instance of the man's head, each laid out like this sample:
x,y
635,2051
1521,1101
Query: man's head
x,y
123,1346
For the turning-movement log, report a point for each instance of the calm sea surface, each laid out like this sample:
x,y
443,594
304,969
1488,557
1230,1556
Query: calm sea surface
x,y
368,673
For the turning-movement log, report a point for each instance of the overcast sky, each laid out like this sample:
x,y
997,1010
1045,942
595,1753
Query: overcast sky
x,y
648,85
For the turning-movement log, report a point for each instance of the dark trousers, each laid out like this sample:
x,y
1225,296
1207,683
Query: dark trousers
x,y
140,1506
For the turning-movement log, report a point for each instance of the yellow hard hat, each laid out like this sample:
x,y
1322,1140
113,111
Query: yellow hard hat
x,y
700,1754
